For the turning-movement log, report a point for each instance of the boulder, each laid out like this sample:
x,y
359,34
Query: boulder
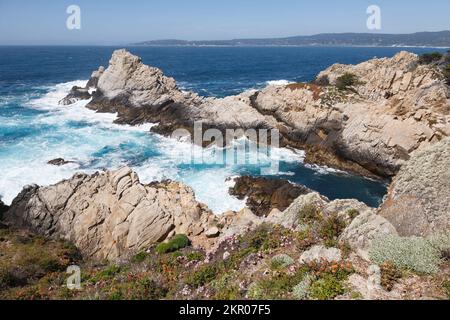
x,y
365,228
109,215
418,203
320,253
263,195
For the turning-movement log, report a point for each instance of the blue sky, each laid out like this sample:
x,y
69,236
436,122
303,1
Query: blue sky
x,y
119,22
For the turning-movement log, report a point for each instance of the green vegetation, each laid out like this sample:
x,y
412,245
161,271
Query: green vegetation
x,y
330,230
281,261
326,288
353,213
177,242
428,58
202,276
411,253
301,291
347,81
309,213
447,73
446,287
140,257
195,256
389,275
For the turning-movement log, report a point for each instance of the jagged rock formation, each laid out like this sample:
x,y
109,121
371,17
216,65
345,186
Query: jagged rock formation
x,y
77,93
263,195
110,215
396,107
418,203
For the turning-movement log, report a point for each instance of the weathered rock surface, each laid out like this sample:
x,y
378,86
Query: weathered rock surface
x,y
365,228
418,203
263,195
398,106
320,253
110,215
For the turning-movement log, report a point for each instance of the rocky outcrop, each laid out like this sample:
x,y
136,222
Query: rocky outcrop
x,y
418,203
77,93
263,195
110,215
363,230
59,162
397,106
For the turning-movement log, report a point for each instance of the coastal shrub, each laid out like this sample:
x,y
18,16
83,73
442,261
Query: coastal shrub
x,y
280,285
202,276
446,287
309,213
225,289
431,57
301,291
281,261
179,241
327,288
331,228
353,213
140,257
195,256
255,292
389,275
347,81
447,73
107,273
412,253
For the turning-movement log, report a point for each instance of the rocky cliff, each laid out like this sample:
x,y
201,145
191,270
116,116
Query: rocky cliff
x,y
418,203
110,215
393,107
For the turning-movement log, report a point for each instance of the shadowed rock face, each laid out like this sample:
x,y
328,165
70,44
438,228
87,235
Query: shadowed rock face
x,y
3,209
110,215
397,106
418,203
263,195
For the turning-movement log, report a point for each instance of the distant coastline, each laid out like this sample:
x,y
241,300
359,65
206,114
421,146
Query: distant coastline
x,y
438,40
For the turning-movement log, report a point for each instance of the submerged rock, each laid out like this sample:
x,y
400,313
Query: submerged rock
x,y
109,215
59,162
75,94
418,203
263,195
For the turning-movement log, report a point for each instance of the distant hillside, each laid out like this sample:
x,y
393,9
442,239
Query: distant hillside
x,y
420,39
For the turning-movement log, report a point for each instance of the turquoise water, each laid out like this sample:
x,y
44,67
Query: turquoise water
x,y
35,129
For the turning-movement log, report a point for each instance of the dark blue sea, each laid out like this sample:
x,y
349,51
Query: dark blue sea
x,y
35,129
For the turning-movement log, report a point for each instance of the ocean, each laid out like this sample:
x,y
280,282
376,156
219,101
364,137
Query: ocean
x,y
35,129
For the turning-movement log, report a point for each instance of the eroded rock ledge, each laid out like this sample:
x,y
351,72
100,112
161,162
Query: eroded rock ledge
x,y
397,106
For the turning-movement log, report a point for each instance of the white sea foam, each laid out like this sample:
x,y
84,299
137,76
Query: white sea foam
x,y
279,83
